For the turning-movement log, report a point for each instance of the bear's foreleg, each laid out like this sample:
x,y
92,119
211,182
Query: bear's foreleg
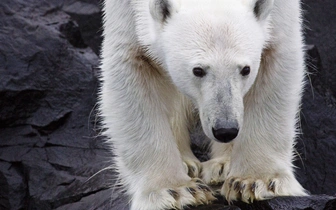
x,y
136,107
261,160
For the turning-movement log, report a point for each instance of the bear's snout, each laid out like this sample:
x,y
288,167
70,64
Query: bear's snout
x,y
225,135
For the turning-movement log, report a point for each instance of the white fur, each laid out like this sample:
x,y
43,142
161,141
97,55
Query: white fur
x,y
149,94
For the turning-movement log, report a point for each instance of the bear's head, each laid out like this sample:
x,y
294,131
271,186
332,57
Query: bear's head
x,y
212,51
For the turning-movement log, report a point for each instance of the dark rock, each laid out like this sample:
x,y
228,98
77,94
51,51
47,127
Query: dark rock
x,y
88,15
331,205
72,32
216,207
13,185
320,27
289,203
316,202
102,200
48,89
317,145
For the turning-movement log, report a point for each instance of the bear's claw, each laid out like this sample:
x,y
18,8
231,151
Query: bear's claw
x,y
173,193
271,185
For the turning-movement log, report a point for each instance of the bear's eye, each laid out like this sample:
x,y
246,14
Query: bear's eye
x,y
245,71
199,72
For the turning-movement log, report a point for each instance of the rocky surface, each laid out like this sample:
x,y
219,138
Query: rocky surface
x,y
316,202
317,145
49,150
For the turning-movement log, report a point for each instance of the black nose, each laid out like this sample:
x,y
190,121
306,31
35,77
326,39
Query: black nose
x,y
225,135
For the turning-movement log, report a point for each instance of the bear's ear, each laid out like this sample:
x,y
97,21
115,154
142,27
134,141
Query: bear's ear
x,y
161,10
262,8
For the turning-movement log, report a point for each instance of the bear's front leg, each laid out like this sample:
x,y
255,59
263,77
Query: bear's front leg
x,y
256,174
261,165
136,113
262,154
153,171
166,184
151,166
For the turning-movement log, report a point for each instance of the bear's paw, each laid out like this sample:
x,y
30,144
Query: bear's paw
x,y
248,189
193,193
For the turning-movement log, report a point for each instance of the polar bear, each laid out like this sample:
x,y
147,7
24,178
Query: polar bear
x,y
237,65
